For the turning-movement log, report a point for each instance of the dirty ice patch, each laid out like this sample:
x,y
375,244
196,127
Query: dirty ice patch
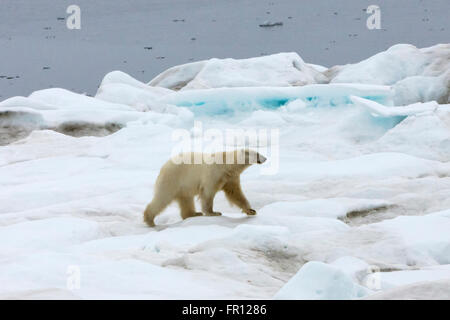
x,y
402,243
18,123
260,255
327,208
44,144
79,115
66,112
320,281
393,279
19,116
425,290
255,237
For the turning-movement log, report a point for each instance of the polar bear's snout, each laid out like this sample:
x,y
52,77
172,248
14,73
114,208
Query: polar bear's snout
x,y
252,157
261,159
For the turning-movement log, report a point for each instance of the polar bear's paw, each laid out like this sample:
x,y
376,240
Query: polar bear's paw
x,y
214,214
249,212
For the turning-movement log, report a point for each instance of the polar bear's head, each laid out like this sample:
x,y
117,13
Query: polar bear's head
x,y
252,157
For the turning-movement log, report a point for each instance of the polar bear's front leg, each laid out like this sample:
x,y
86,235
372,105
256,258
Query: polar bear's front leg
x,y
207,200
234,194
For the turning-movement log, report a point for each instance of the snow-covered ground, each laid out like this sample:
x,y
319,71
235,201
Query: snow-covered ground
x,y
358,205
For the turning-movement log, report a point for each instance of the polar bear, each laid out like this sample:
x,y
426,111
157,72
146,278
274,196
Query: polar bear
x,y
190,174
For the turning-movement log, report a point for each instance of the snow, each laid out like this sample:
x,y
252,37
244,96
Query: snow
x,y
356,206
278,70
424,135
427,290
417,75
177,77
397,63
317,67
57,106
319,281
421,89
383,111
77,115
433,242
121,88
403,278
351,266
65,232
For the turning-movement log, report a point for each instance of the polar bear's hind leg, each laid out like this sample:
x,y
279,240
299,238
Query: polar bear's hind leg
x,y
154,208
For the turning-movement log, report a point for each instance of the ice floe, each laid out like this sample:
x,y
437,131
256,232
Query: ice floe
x,y
279,70
358,207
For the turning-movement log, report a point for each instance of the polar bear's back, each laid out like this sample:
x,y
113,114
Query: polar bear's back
x,y
184,177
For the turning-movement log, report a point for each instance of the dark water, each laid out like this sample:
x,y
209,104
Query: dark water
x,y
38,51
